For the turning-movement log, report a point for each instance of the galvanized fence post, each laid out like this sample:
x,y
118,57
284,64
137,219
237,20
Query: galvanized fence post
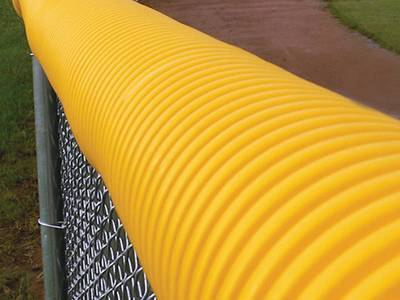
x,y
48,168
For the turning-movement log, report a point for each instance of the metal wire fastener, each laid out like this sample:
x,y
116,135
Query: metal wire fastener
x,y
61,225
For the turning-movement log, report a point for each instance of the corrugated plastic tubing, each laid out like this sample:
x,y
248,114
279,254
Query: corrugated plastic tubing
x,y
234,178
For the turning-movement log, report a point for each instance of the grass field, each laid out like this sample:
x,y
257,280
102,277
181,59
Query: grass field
x,y
19,235
377,19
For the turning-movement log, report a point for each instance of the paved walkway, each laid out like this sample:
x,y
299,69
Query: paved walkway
x,y
302,37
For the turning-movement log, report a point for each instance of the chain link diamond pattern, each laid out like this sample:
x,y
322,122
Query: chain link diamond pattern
x,y
100,261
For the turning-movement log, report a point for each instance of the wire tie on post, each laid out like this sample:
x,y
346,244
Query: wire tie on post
x,y
60,225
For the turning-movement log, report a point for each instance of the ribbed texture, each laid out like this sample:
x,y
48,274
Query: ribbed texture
x,y
234,179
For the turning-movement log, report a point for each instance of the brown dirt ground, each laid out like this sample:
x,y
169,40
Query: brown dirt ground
x,y
302,37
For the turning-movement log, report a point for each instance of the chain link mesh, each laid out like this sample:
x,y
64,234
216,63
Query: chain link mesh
x,y
100,261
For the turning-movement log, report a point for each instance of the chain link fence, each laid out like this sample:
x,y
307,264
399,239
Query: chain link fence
x,y
100,261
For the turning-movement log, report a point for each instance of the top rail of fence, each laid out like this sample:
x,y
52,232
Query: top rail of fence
x,y
232,177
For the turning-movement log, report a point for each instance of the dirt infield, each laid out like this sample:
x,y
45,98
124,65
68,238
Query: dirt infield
x,y
302,37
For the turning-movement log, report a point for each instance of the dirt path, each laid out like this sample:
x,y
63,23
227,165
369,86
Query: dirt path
x,y
302,37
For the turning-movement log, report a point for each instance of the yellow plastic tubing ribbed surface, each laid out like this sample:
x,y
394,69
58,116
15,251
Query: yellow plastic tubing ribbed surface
x,y
234,178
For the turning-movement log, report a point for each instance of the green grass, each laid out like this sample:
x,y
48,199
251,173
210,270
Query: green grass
x,y
18,197
377,19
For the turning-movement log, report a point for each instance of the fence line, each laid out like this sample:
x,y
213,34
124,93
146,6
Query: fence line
x,y
232,177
